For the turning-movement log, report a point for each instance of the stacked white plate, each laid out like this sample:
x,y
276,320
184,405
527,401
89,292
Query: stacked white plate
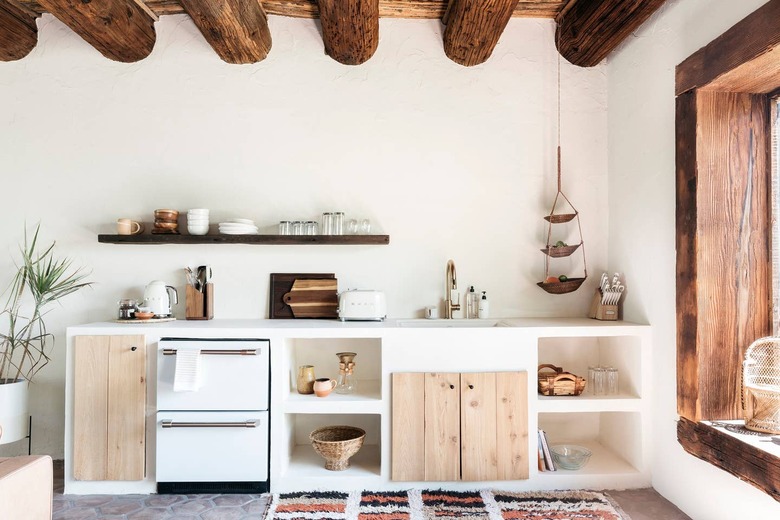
x,y
198,221
238,226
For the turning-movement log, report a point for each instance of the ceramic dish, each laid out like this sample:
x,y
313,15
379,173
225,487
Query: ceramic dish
x,y
570,456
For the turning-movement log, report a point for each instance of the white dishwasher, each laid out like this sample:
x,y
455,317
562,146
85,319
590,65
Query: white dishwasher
x,y
214,439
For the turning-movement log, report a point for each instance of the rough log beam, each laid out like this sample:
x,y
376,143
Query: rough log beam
x,y
433,9
748,463
236,29
350,29
474,27
591,29
18,32
120,30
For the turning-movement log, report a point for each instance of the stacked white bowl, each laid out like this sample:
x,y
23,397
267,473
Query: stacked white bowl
x,y
238,226
198,221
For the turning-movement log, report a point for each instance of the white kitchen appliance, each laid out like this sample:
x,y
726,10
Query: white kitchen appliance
x,y
158,298
362,305
214,439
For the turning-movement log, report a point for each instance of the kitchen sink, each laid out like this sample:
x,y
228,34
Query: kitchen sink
x,y
456,323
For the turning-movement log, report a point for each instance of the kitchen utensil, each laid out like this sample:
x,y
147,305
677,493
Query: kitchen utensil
x,y
199,304
158,297
280,284
313,298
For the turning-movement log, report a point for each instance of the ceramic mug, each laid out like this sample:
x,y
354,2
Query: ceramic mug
x,y
323,386
432,313
126,226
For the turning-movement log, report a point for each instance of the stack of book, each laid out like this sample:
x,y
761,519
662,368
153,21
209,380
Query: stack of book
x,y
546,462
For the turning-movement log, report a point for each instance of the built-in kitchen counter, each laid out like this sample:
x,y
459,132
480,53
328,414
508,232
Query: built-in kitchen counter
x,y
615,427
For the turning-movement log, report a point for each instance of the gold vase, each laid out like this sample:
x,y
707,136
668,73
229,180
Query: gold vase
x,y
305,380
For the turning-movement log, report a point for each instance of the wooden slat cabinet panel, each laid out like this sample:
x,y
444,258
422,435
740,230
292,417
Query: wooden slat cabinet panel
x,y
442,427
408,450
109,408
478,457
474,426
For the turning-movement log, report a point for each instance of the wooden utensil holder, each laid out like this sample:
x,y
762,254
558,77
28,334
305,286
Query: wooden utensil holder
x,y
600,311
200,305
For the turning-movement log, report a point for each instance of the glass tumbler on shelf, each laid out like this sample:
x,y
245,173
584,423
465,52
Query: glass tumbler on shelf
x,y
337,226
127,308
326,226
311,228
285,227
600,381
352,227
297,227
591,386
365,226
612,381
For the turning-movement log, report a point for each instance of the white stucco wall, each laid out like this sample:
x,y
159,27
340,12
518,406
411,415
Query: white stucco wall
x,y
642,232
451,162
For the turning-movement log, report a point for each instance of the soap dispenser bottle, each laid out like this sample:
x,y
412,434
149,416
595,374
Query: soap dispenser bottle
x,y
472,304
484,309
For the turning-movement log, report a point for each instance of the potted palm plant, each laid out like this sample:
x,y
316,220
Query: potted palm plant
x,y
41,280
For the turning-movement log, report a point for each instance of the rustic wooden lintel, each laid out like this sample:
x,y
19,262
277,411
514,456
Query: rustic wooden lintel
x,y
748,463
474,27
237,30
18,32
588,31
350,29
119,29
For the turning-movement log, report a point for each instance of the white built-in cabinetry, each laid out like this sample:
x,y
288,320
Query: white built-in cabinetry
x,y
615,428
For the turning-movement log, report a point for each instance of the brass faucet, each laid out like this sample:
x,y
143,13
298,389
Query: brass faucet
x,y
452,302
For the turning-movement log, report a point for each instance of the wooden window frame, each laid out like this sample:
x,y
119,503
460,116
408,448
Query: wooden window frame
x,y
724,234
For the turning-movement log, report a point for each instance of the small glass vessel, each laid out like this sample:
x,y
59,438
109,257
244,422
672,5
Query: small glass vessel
x,y
346,384
127,308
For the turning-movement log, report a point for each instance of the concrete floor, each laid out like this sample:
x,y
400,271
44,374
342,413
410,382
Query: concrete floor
x,y
639,504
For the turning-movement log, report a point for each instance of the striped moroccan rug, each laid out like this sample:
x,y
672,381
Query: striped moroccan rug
x,y
445,505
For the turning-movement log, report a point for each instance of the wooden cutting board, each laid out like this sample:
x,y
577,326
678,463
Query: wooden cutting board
x,y
314,298
281,284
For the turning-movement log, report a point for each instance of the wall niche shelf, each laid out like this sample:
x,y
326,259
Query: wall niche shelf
x,y
277,240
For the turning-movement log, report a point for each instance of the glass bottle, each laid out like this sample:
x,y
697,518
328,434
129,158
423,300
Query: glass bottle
x,y
472,304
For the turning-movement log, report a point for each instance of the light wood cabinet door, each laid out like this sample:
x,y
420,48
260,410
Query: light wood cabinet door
x,y
470,426
109,408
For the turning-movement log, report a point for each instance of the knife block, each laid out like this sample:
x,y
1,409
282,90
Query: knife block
x,y
199,305
599,311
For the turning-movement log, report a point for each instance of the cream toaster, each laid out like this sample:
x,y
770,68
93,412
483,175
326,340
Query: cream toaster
x,y
362,305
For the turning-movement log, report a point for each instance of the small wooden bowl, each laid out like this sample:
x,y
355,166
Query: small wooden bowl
x,y
168,215
143,315
165,225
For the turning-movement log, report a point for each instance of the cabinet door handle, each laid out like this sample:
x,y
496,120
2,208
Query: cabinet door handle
x,y
471,387
133,348
167,423
207,352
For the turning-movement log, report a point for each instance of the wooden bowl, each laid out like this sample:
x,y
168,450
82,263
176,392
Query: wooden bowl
x,y
336,444
165,225
167,215
143,315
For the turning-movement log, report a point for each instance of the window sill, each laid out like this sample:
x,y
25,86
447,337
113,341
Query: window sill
x,y
755,460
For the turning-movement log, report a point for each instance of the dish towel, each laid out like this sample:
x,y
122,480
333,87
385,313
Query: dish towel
x,y
187,376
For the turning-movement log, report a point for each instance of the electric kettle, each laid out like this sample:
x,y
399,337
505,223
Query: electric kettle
x,y
158,296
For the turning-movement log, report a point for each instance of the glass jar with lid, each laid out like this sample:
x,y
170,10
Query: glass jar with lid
x,y
127,308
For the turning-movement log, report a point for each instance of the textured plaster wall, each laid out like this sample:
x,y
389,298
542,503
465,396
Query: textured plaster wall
x,y
642,233
451,162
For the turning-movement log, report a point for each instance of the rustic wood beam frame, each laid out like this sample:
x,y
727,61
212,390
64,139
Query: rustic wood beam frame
x,y
474,27
724,212
588,30
237,30
18,31
120,30
350,29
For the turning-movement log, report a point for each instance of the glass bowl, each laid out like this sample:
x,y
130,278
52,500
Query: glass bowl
x,y
570,456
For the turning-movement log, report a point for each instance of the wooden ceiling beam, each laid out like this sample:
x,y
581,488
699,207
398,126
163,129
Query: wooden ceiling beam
x,y
120,30
350,29
590,29
18,32
474,27
236,29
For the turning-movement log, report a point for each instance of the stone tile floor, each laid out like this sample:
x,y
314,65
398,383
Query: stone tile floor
x,y
639,504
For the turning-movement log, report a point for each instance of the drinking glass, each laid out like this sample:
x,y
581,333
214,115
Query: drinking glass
x,y
337,224
612,381
600,376
365,226
352,227
327,223
311,228
297,227
285,227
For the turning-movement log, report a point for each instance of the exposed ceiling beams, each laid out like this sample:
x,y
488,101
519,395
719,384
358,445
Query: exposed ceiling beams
x,y
123,30
237,30
18,33
350,29
120,30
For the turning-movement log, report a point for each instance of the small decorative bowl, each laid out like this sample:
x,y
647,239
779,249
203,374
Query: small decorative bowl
x,y
570,456
139,315
336,444
168,215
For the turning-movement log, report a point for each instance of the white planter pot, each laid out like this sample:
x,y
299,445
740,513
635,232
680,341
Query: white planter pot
x,y
14,416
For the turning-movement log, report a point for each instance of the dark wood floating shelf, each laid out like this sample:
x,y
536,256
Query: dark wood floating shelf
x,y
279,240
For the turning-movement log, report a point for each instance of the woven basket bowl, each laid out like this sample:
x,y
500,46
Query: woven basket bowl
x,y
560,251
560,218
570,285
336,444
